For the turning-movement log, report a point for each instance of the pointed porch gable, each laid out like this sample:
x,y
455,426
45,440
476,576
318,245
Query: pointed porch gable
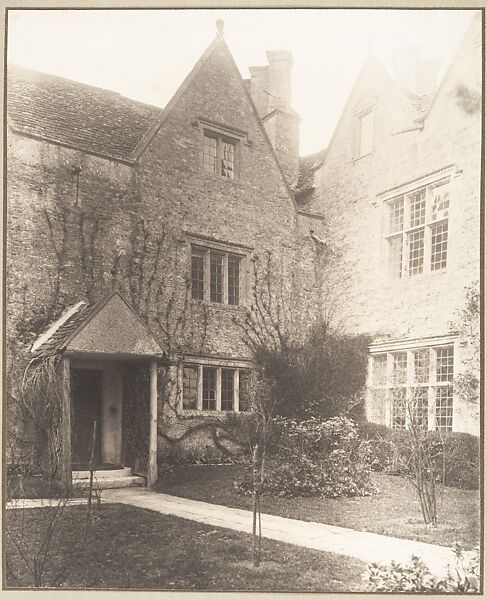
x,y
114,329
109,327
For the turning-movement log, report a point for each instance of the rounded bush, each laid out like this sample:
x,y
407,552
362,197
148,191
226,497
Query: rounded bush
x,y
315,458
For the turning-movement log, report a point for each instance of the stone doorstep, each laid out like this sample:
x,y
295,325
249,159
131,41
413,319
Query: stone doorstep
x,y
105,483
103,473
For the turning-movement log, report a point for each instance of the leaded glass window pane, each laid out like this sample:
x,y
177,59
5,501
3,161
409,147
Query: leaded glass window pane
x,y
190,387
228,159
209,154
227,389
197,276
440,203
209,388
444,364
233,279
416,252
396,215
417,208
400,361
439,246
444,408
398,408
216,277
421,366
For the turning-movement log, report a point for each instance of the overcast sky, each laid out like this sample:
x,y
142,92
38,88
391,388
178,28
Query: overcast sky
x,y
145,54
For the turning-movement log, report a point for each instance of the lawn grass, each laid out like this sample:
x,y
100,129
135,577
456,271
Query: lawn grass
x,y
394,510
131,548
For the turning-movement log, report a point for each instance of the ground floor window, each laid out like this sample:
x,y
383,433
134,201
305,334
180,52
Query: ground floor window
x,y
412,387
216,388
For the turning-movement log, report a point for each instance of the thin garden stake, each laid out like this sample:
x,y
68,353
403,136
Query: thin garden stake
x,y
92,459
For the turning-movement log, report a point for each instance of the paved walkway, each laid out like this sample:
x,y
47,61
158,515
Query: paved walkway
x,y
42,502
369,547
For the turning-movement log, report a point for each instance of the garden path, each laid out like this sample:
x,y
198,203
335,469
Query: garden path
x,y
366,546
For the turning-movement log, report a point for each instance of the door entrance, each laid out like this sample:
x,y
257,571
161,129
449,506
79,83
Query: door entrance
x,y
86,402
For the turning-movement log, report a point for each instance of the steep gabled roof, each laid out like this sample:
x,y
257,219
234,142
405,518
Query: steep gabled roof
x,y
414,105
472,30
156,125
127,331
70,113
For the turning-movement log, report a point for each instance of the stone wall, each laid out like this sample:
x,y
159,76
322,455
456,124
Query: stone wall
x,y
136,222
405,150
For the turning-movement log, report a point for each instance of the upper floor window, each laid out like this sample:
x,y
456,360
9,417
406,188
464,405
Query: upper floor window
x,y
219,154
215,275
417,230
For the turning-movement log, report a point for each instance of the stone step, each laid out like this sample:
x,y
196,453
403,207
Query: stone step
x,y
104,473
109,483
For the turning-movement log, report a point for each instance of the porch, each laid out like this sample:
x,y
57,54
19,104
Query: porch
x,y
109,393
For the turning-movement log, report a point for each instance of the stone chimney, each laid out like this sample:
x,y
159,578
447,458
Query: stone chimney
x,y
270,88
280,66
414,74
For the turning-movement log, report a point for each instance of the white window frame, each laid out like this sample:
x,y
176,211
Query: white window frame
x,y
427,227
431,347
200,364
364,151
368,110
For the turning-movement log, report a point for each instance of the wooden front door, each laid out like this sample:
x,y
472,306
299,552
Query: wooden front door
x,y
86,398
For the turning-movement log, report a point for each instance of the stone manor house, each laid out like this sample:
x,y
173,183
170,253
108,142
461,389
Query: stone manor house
x,y
148,248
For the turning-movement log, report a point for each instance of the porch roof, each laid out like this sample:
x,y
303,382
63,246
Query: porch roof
x,y
109,327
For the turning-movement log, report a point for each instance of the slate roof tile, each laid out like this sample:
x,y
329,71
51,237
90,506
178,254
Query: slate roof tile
x,y
57,340
72,113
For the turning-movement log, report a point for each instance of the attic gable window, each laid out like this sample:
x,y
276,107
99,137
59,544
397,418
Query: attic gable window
x,y
219,154
364,133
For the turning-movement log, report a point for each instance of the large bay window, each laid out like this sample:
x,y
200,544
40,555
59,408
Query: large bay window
x,y
412,387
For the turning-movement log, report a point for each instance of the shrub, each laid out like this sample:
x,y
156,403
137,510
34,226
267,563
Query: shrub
x,y
315,458
321,376
463,576
372,431
462,460
390,452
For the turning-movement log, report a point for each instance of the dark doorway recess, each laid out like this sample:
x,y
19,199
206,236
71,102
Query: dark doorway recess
x,y
86,395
